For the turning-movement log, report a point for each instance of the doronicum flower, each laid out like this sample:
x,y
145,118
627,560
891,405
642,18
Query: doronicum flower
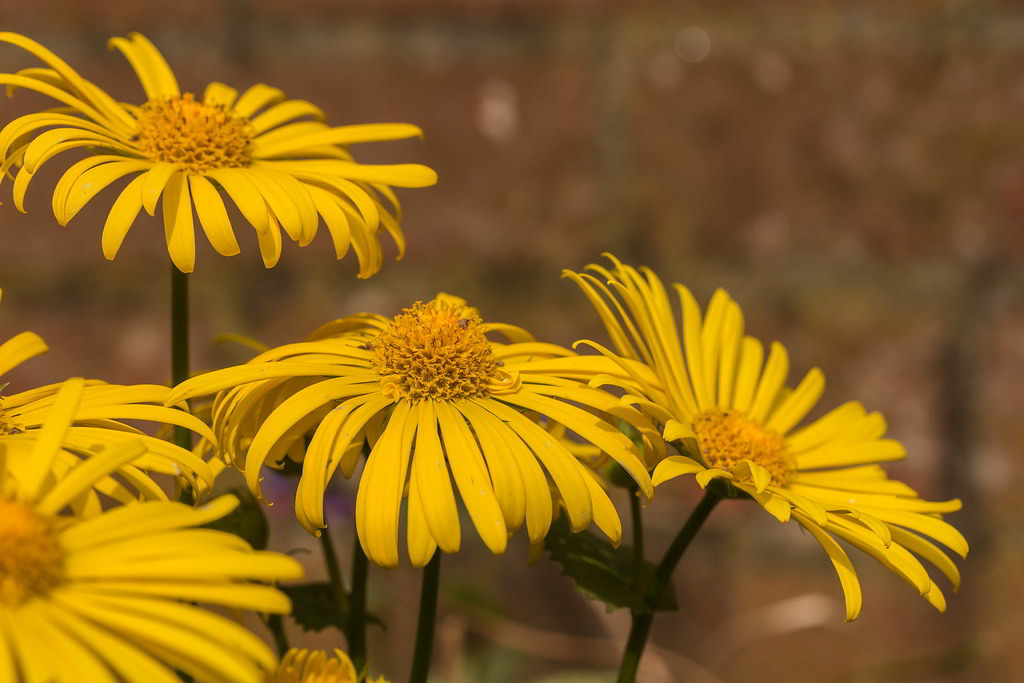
x,y
98,422
736,419
113,597
275,158
316,666
437,401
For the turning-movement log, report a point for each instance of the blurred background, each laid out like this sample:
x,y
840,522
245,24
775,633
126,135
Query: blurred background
x,y
851,172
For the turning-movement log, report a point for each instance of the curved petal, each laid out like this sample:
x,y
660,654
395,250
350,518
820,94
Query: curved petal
x,y
121,217
149,65
179,231
212,216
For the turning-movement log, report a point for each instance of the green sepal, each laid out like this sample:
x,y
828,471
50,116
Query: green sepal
x,y
602,572
247,521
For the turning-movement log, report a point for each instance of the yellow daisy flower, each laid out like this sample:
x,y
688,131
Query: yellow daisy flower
x,y
305,666
734,414
109,598
97,423
276,159
437,400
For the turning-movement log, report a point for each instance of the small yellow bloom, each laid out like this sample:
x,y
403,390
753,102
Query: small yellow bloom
x,y
112,597
276,159
438,401
305,666
731,410
96,423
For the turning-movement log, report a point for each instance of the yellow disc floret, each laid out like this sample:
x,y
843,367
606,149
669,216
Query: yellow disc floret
x,y
438,351
306,666
31,557
727,438
198,136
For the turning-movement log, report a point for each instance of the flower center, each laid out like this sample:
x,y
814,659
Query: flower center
x,y
8,425
31,557
727,438
304,666
436,350
198,136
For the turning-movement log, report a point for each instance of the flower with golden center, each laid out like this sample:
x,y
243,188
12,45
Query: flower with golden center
x,y
731,410
316,666
97,422
276,159
437,400
112,597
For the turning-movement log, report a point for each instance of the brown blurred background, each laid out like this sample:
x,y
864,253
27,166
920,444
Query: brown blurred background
x,y
851,172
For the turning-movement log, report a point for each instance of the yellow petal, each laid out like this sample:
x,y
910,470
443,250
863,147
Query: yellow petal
x,y
472,478
179,231
19,349
844,568
439,511
121,217
212,216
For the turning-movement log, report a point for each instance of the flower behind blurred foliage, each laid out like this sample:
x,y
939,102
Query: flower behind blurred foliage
x,y
316,666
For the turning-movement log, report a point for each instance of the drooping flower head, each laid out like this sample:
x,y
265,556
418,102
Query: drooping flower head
x,y
438,401
97,422
112,597
734,418
316,666
275,158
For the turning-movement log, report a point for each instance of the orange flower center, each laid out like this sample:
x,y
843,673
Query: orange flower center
x,y
438,351
31,557
200,137
727,438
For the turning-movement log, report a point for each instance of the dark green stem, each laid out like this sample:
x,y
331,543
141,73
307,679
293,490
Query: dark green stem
x,y
638,537
275,622
425,626
642,622
334,573
355,631
179,342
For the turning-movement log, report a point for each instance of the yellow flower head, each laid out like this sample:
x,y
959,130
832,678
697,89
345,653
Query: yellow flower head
x,y
734,418
276,159
113,596
96,422
316,666
438,401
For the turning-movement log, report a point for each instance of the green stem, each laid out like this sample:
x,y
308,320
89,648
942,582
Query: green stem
x,y
275,622
638,537
641,628
334,573
425,626
355,632
179,343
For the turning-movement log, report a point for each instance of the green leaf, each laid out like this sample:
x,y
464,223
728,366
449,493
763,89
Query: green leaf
x,y
603,572
247,521
314,607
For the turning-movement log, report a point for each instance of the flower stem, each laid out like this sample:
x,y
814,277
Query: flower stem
x,y
638,537
334,574
355,632
179,343
428,615
275,622
642,622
